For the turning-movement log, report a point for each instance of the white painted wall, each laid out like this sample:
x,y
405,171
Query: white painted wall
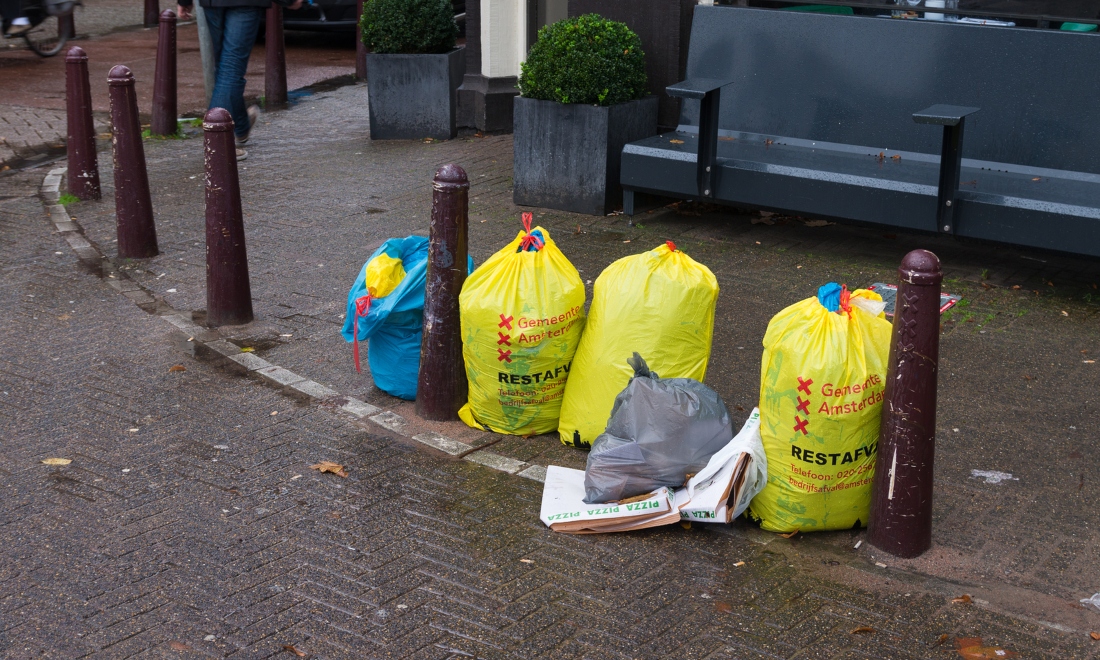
x,y
503,37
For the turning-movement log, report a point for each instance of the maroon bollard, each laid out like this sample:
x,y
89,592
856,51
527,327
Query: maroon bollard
x,y
441,385
901,501
137,235
228,293
152,13
164,81
360,47
274,59
83,163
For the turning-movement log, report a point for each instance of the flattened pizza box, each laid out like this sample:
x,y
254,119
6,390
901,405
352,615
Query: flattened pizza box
x,y
564,509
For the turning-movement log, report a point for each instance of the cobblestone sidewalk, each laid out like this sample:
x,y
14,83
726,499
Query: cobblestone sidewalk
x,y
30,134
190,523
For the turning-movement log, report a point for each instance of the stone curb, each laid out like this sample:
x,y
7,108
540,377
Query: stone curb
x,y
253,365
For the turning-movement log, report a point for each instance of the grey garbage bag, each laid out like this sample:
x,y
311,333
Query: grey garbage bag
x,y
660,431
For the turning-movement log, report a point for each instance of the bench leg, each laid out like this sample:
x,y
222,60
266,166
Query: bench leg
x,y
950,168
707,160
628,201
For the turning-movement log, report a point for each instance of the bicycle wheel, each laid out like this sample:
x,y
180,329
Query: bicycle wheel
x,y
49,37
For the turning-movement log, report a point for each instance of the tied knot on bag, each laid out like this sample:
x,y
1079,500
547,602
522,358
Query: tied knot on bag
x,y
671,246
530,241
845,301
835,298
362,308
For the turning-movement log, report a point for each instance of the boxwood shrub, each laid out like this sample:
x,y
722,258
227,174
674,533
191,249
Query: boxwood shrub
x,y
587,59
408,26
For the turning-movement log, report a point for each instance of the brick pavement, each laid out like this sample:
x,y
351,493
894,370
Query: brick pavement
x,y
1015,388
29,135
189,524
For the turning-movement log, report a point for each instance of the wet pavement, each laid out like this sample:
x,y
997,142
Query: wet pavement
x,y
32,89
446,538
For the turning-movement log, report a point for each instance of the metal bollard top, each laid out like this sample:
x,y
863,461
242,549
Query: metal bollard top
x,y
450,177
920,267
120,75
217,120
167,15
76,54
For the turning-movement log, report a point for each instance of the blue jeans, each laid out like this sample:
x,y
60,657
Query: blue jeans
x,y
233,33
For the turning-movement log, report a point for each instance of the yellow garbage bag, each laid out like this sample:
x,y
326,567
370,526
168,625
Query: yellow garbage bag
x,y
821,387
522,314
659,303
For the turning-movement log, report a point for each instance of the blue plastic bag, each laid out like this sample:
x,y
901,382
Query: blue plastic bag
x,y
389,312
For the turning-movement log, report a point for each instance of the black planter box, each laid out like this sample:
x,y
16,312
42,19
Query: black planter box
x,y
567,156
414,96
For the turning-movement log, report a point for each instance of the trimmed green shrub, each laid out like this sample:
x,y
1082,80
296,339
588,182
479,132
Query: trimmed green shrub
x,y
587,59
408,26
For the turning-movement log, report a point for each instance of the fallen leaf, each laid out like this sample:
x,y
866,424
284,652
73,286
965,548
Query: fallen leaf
x,y
1050,283
818,223
57,461
1015,287
293,649
1026,377
177,367
686,524
861,630
963,599
333,514
179,646
942,639
247,349
64,317
895,157
722,606
1095,636
329,466
787,536
676,141
527,561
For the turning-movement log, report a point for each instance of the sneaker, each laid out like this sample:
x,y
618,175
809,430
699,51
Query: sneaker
x,y
253,115
19,26
241,154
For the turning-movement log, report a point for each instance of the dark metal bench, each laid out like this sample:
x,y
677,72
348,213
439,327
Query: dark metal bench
x,y
837,116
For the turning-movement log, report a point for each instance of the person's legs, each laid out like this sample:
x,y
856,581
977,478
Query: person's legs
x,y
237,28
215,24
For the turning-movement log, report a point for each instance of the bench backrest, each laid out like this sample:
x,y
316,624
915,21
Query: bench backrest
x,y
858,80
